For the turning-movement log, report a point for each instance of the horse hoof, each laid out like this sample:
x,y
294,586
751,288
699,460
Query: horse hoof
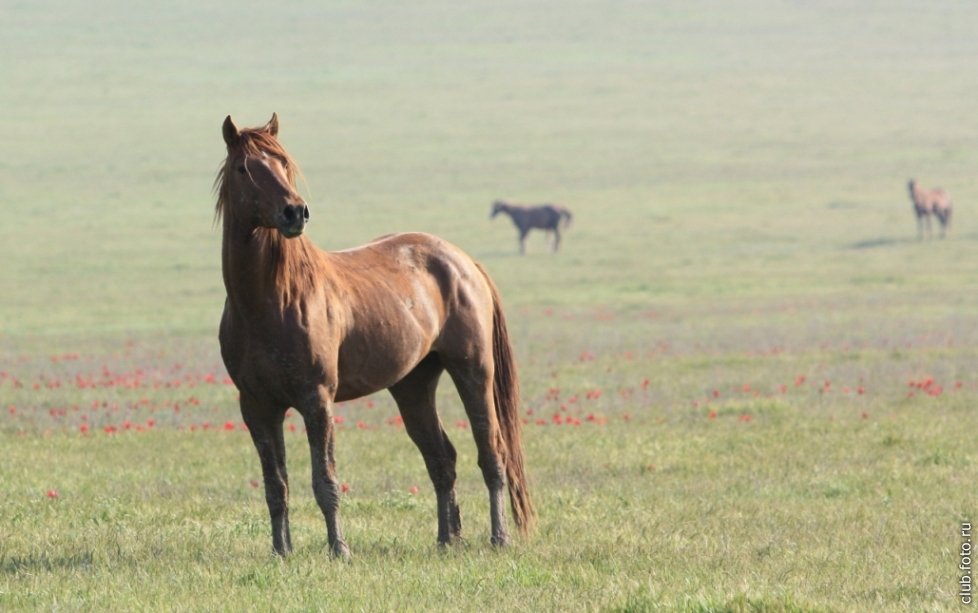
x,y
341,552
500,541
282,552
453,539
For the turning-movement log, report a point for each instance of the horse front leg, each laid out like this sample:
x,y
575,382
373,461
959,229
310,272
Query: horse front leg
x,y
265,426
317,412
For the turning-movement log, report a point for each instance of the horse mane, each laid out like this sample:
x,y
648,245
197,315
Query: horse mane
x,y
253,142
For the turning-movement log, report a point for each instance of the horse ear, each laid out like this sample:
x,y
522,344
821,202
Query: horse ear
x,y
231,135
272,126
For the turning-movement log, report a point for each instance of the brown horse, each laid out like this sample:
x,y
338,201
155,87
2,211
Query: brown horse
x,y
304,328
546,217
927,202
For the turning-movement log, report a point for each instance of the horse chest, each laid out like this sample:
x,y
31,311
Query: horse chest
x,y
259,357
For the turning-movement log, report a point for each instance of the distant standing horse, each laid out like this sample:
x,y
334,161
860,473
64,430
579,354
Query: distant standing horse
x,y
304,328
927,202
545,217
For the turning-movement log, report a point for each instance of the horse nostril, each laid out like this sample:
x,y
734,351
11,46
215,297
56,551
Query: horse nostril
x,y
305,213
289,214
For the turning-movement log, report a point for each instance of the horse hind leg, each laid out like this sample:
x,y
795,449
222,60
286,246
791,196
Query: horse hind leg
x,y
415,398
473,380
265,427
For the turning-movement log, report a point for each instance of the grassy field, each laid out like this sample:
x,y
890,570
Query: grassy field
x,y
747,385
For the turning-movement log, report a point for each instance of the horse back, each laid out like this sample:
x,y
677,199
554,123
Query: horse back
x,y
941,198
412,294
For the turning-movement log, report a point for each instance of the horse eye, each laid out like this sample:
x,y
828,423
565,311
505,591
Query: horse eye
x,y
285,163
241,169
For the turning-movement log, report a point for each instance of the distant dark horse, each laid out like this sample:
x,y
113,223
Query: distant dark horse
x,y
927,202
304,328
548,217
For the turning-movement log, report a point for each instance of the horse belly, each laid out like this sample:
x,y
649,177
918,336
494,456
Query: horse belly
x,y
380,358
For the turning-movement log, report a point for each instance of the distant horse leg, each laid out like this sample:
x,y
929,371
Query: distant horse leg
x,y
557,237
415,397
474,385
325,486
523,233
265,426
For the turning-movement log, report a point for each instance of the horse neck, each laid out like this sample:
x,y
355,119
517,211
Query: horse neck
x,y
259,264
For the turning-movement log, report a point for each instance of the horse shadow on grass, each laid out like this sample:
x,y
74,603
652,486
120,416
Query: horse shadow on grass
x,y
13,565
880,242
497,255
907,240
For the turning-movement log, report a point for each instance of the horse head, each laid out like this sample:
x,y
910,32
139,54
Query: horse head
x,y
258,180
497,207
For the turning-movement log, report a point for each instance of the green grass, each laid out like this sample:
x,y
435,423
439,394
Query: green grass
x,y
737,172
848,513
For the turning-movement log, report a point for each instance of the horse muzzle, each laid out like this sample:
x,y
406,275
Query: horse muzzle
x,y
292,220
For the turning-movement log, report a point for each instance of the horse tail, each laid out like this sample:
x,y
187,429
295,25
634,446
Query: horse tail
x,y
506,391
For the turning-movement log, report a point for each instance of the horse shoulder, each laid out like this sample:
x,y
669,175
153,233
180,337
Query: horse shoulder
x,y
231,341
